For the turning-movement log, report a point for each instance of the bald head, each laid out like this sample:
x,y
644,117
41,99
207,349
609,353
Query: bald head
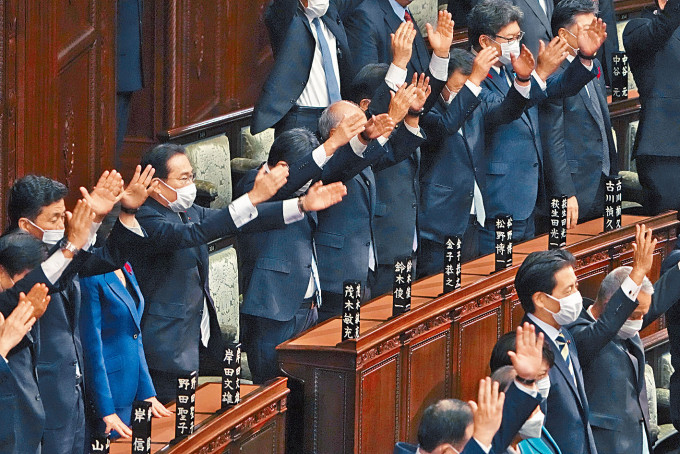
x,y
333,115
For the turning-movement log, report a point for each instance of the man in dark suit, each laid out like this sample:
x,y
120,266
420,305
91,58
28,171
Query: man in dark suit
x,y
312,67
613,360
451,425
36,206
673,326
535,22
180,321
129,76
451,202
653,47
369,32
514,174
607,13
577,130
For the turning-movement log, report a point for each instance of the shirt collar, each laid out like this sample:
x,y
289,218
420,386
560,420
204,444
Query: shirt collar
x,y
549,330
398,9
570,58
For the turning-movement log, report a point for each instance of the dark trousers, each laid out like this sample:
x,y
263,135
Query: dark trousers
x,y
122,116
260,336
522,230
300,117
381,281
431,253
596,209
69,439
659,179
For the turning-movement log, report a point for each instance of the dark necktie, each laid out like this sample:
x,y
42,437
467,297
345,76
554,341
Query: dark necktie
x,y
503,80
597,108
407,16
327,62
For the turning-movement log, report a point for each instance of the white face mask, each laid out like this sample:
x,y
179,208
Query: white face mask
x,y
185,197
543,386
317,8
50,237
570,308
533,426
575,49
630,328
507,49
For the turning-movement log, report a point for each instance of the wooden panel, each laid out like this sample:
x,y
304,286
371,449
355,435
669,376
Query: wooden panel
x,y
328,410
590,271
428,376
266,440
378,412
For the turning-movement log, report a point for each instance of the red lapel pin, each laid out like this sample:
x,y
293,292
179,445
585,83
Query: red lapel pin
x,y
128,268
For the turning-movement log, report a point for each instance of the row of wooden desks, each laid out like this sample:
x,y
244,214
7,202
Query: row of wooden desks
x,y
363,395
255,426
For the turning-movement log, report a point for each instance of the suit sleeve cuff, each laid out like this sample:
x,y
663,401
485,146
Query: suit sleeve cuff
x,y
541,82
291,212
630,288
54,266
484,447
409,128
525,90
524,389
357,147
319,156
93,235
395,77
439,67
473,88
589,67
242,211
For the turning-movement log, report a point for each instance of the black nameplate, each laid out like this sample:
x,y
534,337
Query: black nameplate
x,y
231,375
557,235
452,263
401,287
100,444
141,427
503,242
619,75
351,306
613,198
186,405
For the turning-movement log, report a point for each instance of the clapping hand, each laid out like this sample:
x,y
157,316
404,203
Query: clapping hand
x,y
267,184
441,38
484,60
320,196
139,188
350,126
523,64
378,125
643,253
528,355
78,225
591,38
422,91
402,44
107,191
15,327
550,57
39,299
401,102
487,411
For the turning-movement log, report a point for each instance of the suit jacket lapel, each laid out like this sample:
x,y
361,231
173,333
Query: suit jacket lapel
x,y
588,103
117,287
540,14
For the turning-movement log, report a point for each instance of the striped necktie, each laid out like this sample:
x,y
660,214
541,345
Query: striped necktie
x,y
327,63
561,343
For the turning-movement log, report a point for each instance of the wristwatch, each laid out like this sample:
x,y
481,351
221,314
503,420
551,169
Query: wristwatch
x,y
68,246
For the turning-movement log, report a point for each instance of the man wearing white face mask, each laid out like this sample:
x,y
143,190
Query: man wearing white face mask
x,y
548,290
612,355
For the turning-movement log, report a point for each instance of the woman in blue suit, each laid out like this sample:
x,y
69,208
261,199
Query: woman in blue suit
x,y
115,366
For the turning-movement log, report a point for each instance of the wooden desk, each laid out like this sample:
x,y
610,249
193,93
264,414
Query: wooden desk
x,y
255,426
361,396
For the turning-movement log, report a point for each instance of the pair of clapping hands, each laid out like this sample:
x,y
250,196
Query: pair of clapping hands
x,y
488,409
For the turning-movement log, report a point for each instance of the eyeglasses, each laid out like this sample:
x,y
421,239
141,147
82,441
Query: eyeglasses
x,y
512,39
185,179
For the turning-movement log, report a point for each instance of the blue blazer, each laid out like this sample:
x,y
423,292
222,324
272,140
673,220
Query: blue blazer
x,y
110,328
514,154
472,447
653,47
293,44
567,405
572,134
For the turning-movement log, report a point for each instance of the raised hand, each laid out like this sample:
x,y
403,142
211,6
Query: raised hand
x,y
39,299
591,38
401,101
550,57
572,212
107,191
402,44
15,327
139,188
441,38
422,91
113,422
487,411
268,184
484,60
643,253
378,125
157,408
528,355
350,126
320,196
523,64
78,225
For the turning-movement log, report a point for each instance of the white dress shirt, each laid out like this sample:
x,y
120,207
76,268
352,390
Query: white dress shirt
x,y
315,93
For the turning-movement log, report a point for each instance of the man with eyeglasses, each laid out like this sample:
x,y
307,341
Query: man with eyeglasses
x,y
514,151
